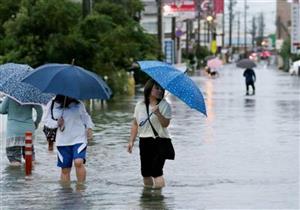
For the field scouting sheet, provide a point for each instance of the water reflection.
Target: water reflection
(249, 102)
(71, 198)
(152, 199)
(244, 155)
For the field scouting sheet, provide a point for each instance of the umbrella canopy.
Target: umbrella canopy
(176, 82)
(246, 63)
(265, 54)
(214, 63)
(11, 75)
(209, 57)
(69, 80)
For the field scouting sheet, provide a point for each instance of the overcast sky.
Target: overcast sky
(268, 7)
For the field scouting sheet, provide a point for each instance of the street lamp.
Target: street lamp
(209, 18)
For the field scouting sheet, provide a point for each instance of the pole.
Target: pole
(159, 24)
(187, 33)
(230, 21)
(223, 29)
(199, 24)
(245, 28)
(28, 153)
(174, 38)
(198, 29)
(238, 32)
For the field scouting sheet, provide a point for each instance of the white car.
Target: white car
(295, 68)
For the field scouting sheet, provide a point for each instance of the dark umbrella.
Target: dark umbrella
(69, 80)
(246, 63)
(209, 57)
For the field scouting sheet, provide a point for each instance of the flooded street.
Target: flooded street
(244, 155)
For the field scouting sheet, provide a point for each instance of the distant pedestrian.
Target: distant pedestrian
(49, 122)
(250, 79)
(74, 129)
(152, 161)
(19, 120)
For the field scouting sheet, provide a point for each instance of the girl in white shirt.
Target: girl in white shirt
(74, 128)
(152, 161)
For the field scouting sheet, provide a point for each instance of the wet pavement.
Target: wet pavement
(244, 155)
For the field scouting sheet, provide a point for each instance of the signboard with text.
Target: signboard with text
(169, 51)
(295, 28)
(185, 9)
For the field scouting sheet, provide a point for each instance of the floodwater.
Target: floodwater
(244, 155)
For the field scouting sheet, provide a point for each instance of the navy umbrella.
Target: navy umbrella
(11, 75)
(69, 80)
(176, 82)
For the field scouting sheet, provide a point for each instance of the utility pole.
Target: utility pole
(173, 35)
(187, 33)
(231, 16)
(223, 29)
(238, 31)
(253, 31)
(261, 28)
(198, 24)
(245, 28)
(159, 25)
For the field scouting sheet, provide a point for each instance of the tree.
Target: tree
(261, 28)
(27, 36)
(106, 41)
(253, 31)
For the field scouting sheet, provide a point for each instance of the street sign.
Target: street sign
(169, 51)
(184, 9)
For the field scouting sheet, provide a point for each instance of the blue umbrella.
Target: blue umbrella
(68, 80)
(176, 82)
(11, 75)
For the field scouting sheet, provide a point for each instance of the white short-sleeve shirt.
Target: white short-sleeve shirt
(140, 114)
(77, 120)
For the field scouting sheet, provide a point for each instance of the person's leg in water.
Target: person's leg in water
(79, 155)
(14, 155)
(148, 181)
(80, 170)
(50, 144)
(158, 179)
(65, 175)
(64, 161)
(159, 182)
(253, 88)
(247, 89)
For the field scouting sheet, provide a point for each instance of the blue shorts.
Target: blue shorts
(66, 154)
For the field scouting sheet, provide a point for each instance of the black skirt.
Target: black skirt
(152, 162)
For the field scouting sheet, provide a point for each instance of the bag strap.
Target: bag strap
(153, 129)
(51, 110)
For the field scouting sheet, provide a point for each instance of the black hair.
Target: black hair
(65, 101)
(147, 91)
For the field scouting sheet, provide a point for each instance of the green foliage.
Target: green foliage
(8, 10)
(201, 52)
(107, 41)
(285, 53)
